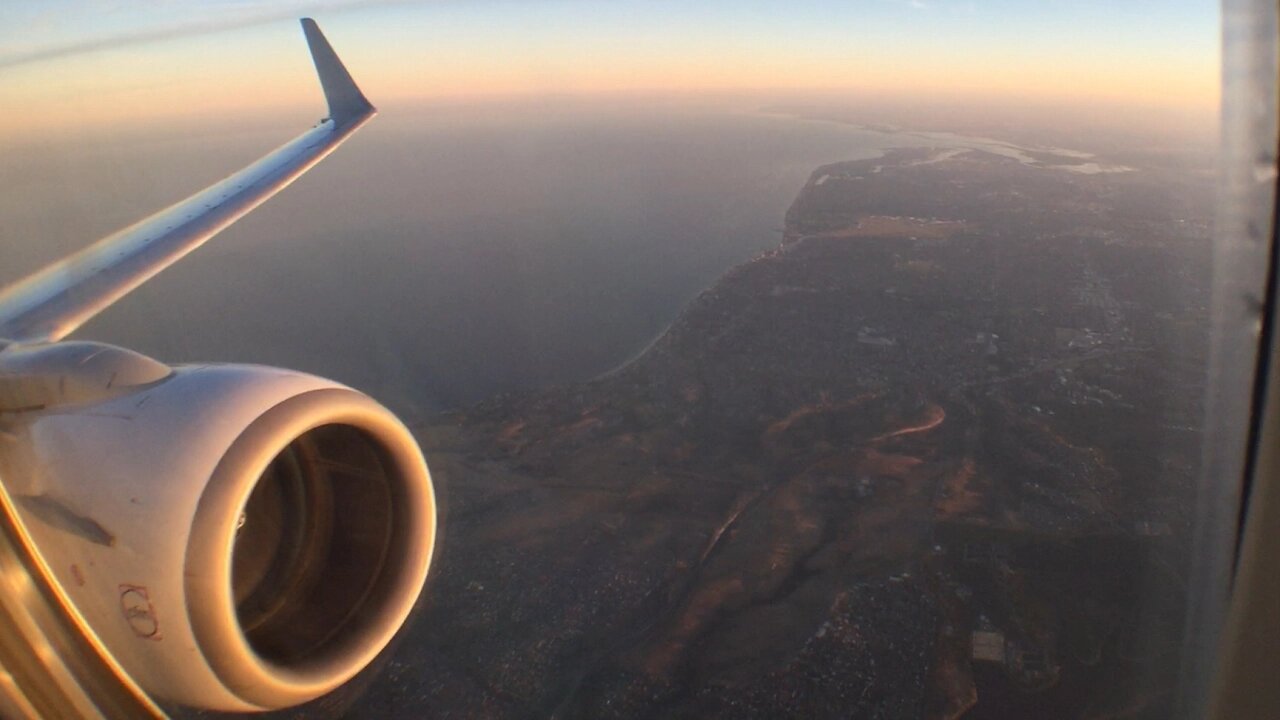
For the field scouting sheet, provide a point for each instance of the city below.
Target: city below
(931, 456)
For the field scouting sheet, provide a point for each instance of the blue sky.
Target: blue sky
(1168, 25)
(1146, 50)
(35, 24)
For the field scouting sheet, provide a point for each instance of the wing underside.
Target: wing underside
(52, 303)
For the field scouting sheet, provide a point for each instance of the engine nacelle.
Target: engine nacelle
(238, 537)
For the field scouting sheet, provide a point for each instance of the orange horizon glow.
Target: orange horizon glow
(269, 71)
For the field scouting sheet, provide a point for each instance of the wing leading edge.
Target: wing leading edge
(50, 304)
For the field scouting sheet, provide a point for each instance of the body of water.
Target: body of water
(441, 255)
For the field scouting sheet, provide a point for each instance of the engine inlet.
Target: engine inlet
(310, 546)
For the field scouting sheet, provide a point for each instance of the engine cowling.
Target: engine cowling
(238, 537)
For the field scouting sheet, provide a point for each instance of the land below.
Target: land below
(931, 456)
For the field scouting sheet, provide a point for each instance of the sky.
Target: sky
(68, 61)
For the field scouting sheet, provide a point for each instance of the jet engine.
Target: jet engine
(237, 537)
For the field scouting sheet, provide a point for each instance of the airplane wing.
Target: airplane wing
(130, 497)
(52, 303)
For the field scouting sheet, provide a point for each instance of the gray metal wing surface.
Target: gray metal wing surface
(51, 303)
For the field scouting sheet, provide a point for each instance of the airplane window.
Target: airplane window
(799, 359)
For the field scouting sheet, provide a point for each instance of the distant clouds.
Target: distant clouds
(913, 4)
(1091, 55)
(952, 8)
(211, 17)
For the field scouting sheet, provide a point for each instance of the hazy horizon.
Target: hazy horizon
(464, 249)
(74, 62)
(461, 255)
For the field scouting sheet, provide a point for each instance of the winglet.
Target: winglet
(346, 102)
(53, 302)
